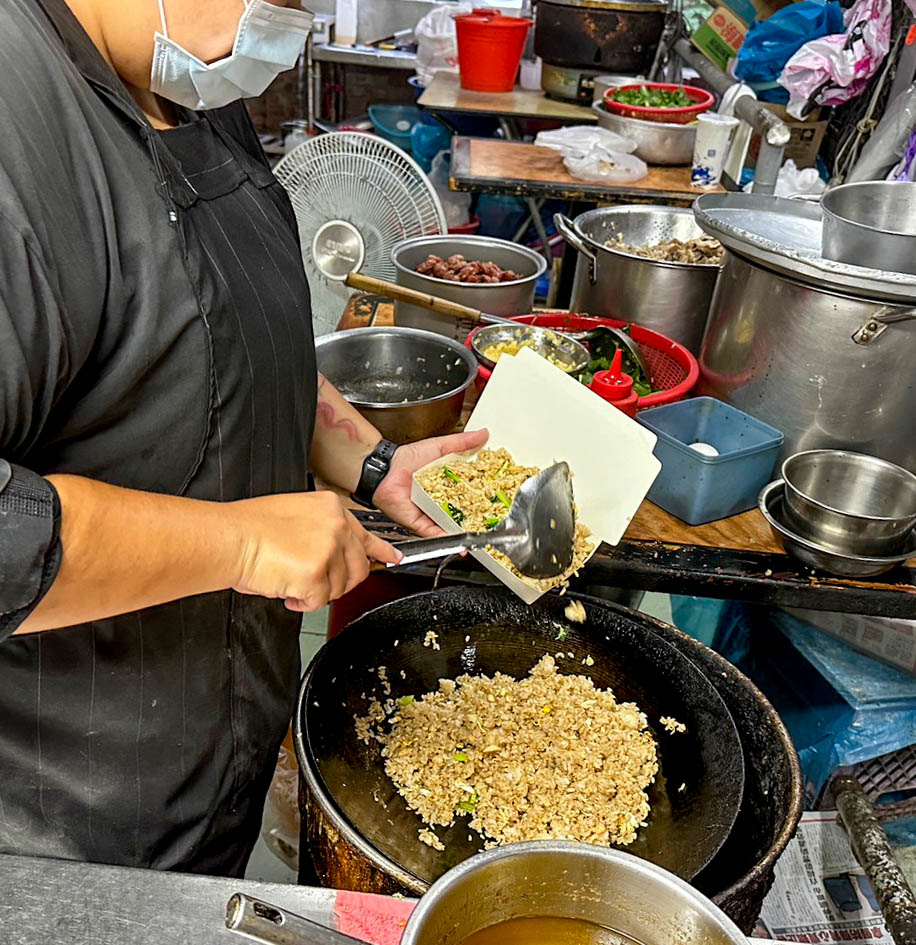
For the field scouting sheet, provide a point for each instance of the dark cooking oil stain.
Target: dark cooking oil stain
(542, 930)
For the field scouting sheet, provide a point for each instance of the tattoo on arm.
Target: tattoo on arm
(327, 416)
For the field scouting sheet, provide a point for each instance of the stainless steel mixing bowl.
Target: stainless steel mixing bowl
(656, 142)
(871, 223)
(501, 298)
(566, 353)
(410, 384)
(567, 880)
(850, 502)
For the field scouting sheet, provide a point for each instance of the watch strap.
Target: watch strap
(374, 470)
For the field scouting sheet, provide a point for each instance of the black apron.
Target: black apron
(150, 739)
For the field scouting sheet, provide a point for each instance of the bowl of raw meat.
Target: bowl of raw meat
(488, 274)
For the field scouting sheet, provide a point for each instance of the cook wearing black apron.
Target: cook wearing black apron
(155, 333)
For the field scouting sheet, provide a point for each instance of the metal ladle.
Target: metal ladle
(537, 534)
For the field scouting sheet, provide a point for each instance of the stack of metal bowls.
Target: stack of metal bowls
(844, 512)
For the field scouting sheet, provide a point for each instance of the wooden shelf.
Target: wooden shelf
(524, 170)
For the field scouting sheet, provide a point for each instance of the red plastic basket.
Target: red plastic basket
(671, 366)
(680, 116)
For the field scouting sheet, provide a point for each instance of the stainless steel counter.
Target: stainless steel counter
(56, 902)
(365, 56)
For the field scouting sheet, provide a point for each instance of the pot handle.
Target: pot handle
(567, 228)
(272, 925)
(877, 324)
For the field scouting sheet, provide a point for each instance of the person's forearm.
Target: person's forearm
(342, 441)
(125, 550)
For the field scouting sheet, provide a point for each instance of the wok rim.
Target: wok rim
(308, 765)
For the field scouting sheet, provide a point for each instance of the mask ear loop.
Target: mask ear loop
(165, 31)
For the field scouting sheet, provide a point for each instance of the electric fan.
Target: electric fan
(355, 196)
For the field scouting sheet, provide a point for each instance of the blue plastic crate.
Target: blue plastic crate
(699, 488)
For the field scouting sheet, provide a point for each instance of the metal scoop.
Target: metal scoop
(537, 534)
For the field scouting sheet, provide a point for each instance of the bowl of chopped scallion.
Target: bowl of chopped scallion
(659, 101)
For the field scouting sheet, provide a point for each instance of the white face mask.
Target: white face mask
(268, 41)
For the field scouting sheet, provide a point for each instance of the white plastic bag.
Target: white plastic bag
(595, 154)
(437, 41)
(280, 827)
(457, 206)
(792, 180)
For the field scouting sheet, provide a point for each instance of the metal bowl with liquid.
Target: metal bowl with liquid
(643, 903)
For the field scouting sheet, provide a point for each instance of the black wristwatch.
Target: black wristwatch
(375, 468)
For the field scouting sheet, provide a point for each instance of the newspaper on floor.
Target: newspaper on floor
(821, 894)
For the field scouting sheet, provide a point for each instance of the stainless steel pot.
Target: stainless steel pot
(657, 142)
(567, 880)
(784, 352)
(504, 298)
(671, 298)
(872, 223)
(410, 384)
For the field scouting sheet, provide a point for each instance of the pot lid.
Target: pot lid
(785, 235)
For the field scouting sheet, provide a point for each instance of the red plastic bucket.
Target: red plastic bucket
(490, 49)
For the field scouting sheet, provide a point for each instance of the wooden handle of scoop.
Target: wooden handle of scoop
(401, 293)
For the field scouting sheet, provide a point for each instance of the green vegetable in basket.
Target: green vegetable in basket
(603, 350)
(652, 98)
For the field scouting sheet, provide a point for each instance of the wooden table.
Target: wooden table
(524, 170)
(444, 95)
(735, 558)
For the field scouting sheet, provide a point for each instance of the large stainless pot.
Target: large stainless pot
(784, 352)
(571, 881)
(503, 298)
(671, 298)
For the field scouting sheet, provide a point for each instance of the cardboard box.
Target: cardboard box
(543, 416)
(750, 10)
(889, 640)
(805, 139)
(720, 37)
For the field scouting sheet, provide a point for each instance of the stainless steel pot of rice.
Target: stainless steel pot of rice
(502, 298)
(410, 384)
(669, 297)
(613, 890)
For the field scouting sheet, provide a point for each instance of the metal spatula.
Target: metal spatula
(537, 534)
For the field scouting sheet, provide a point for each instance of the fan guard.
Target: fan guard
(355, 196)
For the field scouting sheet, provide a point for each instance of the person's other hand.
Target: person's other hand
(393, 494)
(304, 548)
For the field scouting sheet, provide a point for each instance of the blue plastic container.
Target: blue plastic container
(394, 123)
(698, 488)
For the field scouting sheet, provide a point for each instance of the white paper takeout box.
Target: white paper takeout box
(543, 416)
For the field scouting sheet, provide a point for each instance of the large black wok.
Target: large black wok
(347, 779)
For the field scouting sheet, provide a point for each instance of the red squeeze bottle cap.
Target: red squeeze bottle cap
(613, 384)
